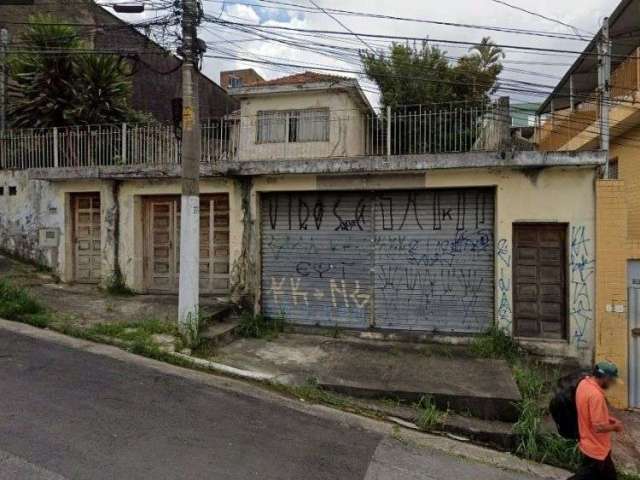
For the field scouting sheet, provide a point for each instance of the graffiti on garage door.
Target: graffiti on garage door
(411, 260)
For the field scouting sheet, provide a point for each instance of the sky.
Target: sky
(541, 70)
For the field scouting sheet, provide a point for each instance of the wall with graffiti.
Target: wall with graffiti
(553, 195)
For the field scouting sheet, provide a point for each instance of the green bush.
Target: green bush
(17, 304)
(495, 343)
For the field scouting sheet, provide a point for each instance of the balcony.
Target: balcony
(126, 149)
(579, 129)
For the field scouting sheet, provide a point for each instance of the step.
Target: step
(215, 312)
(219, 334)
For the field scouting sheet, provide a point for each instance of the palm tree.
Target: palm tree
(488, 54)
(54, 84)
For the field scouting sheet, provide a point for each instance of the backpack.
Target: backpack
(563, 406)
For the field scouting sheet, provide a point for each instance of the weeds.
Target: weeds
(117, 286)
(259, 326)
(496, 343)
(17, 304)
(429, 416)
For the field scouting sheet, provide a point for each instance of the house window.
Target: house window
(293, 126)
(234, 82)
(613, 169)
(1, 191)
(13, 191)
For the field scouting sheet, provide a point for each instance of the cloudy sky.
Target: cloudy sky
(538, 68)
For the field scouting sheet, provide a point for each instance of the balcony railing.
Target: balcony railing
(415, 130)
(563, 126)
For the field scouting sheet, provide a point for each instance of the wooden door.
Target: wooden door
(539, 279)
(162, 270)
(162, 233)
(87, 256)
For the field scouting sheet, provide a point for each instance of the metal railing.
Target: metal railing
(415, 130)
(563, 126)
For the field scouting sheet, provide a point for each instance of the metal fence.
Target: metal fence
(411, 130)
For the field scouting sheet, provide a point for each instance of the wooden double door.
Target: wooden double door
(162, 244)
(87, 245)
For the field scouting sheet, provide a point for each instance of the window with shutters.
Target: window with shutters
(294, 126)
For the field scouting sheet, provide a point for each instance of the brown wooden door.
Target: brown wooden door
(86, 237)
(539, 279)
(162, 233)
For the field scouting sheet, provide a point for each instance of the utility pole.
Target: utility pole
(4, 44)
(604, 87)
(189, 287)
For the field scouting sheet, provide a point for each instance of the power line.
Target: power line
(341, 24)
(535, 14)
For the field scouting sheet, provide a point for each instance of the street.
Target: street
(69, 413)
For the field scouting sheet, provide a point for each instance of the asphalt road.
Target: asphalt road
(71, 414)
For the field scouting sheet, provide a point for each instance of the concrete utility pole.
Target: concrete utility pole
(4, 44)
(189, 287)
(604, 87)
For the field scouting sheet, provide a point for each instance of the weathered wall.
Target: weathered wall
(346, 132)
(551, 195)
(131, 251)
(40, 205)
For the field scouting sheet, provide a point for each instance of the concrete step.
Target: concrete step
(216, 312)
(220, 333)
(490, 433)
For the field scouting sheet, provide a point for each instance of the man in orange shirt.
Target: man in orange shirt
(595, 424)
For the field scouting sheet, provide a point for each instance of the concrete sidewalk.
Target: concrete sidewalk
(451, 377)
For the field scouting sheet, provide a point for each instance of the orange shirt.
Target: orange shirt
(592, 411)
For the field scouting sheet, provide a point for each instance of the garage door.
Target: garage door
(162, 249)
(419, 260)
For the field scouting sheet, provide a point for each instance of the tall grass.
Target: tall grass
(16, 303)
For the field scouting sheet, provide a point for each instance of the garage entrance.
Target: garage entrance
(162, 244)
(404, 260)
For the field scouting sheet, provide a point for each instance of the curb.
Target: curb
(229, 382)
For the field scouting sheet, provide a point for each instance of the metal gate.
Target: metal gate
(634, 337)
(419, 260)
(434, 260)
(162, 247)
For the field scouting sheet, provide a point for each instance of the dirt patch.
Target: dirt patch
(626, 445)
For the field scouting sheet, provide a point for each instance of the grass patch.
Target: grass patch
(496, 343)
(628, 476)
(137, 334)
(16, 303)
(429, 416)
(259, 326)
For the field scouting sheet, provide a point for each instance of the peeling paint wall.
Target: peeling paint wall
(39, 207)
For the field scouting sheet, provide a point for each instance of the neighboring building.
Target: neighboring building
(524, 114)
(156, 78)
(239, 78)
(573, 124)
(316, 208)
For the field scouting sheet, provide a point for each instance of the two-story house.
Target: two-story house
(573, 123)
(419, 220)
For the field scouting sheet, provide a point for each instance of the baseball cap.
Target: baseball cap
(607, 369)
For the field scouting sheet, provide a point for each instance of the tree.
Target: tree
(411, 75)
(55, 82)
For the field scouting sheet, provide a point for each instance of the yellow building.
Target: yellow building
(573, 123)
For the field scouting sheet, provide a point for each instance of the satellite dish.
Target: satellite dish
(129, 8)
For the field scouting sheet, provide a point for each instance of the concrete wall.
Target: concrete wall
(550, 195)
(346, 132)
(131, 246)
(39, 206)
